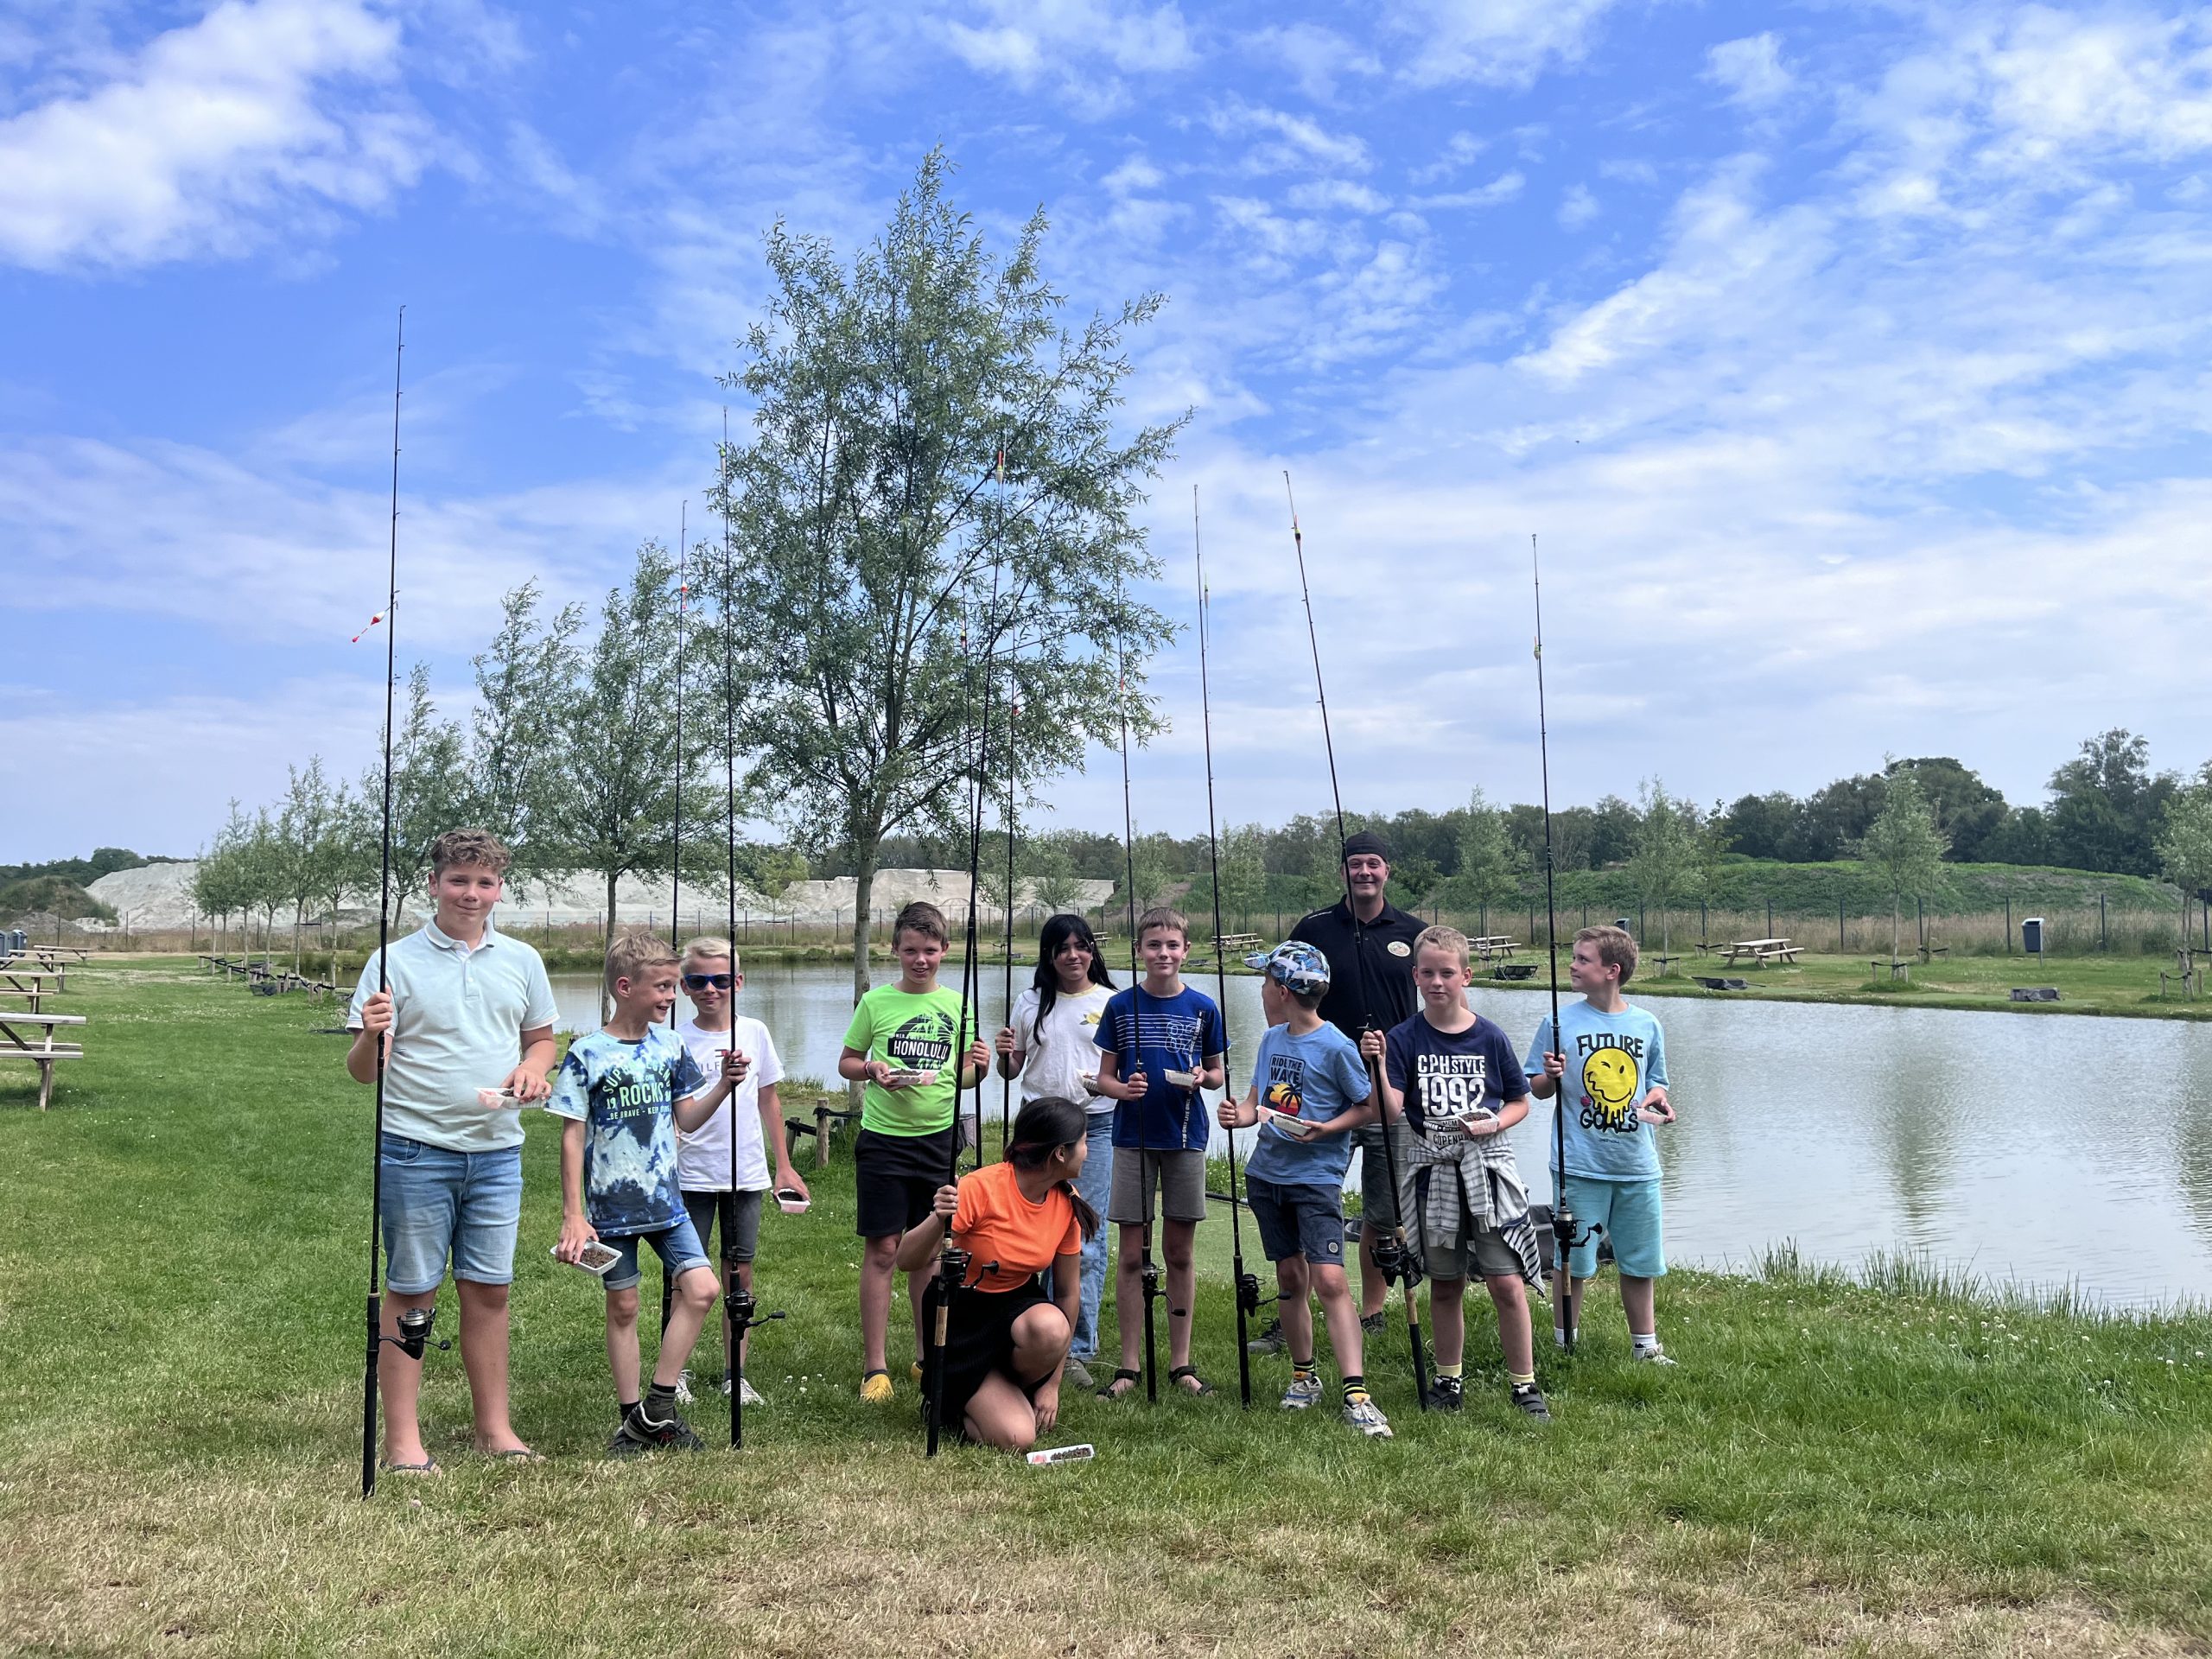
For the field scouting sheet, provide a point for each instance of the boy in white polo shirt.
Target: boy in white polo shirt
(468, 1008)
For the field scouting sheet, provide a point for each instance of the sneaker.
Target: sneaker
(1446, 1394)
(875, 1389)
(915, 1371)
(683, 1397)
(1372, 1322)
(1269, 1341)
(1654, 1355)
(638, 1435)
(1305, 1390)
(1078, 1375)
(751, 1396)
(1364, 1416)
(1530, 1399)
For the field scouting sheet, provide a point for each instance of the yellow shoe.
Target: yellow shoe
(915, 1371)
(875, 1389)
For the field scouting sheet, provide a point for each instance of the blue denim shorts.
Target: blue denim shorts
(440, 1206)
(677, 1247)
(1301, 1219)
(1628, 1213)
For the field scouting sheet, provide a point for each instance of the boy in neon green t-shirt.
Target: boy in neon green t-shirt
(901, 1044)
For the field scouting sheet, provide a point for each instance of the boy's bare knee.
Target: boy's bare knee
(480, 1297)
(622, 1307)
(879, 1254)
(698, 1288)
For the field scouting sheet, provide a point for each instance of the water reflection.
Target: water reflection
(2040, 1149)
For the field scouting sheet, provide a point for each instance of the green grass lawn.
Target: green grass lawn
(1893, 1470)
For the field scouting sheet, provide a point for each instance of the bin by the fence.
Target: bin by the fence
(2031, 934)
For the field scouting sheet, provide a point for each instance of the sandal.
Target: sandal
(1114, 1390)
(517, 1455)
(428, 1466)
(1202, 1389)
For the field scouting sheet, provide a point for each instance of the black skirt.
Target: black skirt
(979, 1340)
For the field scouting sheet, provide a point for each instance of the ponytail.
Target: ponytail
(1041, 1129)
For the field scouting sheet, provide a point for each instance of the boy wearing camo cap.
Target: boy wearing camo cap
(1310, 1081)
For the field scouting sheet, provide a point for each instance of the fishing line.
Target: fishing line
(1563, 1238)
(1391, 1255)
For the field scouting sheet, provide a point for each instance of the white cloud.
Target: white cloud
(1135, 174)
(216, 138)
(1494, 42)
(1316, 57)
(1462, 149)
(1502, 188)
(1303, 142)
(1323, 193)
(1027, 42)
(1578, 208)
(1750, 71)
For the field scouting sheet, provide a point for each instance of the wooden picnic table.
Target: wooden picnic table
(25, 979)
(30, 1036)
(1761, 952)
(52, 953)
(1228, 942)
(34, 993)
(1493, 945)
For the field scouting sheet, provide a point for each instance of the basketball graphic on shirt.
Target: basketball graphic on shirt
(1609, 1089)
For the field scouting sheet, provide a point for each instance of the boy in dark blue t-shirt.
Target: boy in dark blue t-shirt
(1159, 1043)
(1308, 1081)
(1455, 1075)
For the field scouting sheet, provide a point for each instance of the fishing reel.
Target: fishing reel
(1397, 1264)
(1150, 1274)
(1247, 1292)
(743, 1315)
(414, 1337)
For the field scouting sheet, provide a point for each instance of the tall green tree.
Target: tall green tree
(2106, 805)
(1492, 867)
(2184, 845)
(302, 830)
(429, 789)
(1053, 883)
(1244, 873)
(886, 550)
(1709, 854)
(1665, 854)
(517, 765)
(624, 775)
(1905, 849)
(218, 884)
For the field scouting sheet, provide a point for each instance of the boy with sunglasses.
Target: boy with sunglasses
(722, 1182)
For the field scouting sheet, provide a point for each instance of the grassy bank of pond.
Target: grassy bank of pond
(1884, 1462)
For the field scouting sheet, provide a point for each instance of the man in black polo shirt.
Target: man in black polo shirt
(1373, 988)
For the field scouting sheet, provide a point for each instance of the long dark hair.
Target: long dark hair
(1058, 930)
(1042, 1128)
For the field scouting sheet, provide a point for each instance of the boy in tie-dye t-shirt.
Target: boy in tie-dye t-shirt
(625, 1090)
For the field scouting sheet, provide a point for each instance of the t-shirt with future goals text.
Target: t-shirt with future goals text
(1612, 1060)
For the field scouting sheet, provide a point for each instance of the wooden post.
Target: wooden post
(2008, 927)
(1839, 925)
(821, 1137)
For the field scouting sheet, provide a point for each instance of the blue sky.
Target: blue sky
(1849, 360)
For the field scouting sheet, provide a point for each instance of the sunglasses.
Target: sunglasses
(701, 982)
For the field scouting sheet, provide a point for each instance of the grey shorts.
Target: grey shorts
(1471, 1253)
(741, 1237)
(1180, 1178)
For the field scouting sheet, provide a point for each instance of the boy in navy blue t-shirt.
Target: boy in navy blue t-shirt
(1456, 1078)
(1308, 1081)
(1159, 1043)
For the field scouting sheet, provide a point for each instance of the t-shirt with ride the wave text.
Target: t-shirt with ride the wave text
(1157, 1035)
(1612, 1060)
(1313, 1077)
(623, 1091)
(911, 1032)
(1446, 1076)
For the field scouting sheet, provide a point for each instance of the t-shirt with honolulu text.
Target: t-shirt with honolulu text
(1612, 1060)
(1157, 1035)
(1059, 1054)
(702, 1160)
(912, 1032)
(1313, 1077)
(1007, 1237)
(623, 1091)
(1449, 1075)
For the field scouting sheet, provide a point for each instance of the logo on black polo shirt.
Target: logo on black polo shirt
(1399, 948)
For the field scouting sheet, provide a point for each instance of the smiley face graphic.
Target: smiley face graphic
(1609, 1081)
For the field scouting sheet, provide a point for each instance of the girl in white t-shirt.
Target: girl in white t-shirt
(722, 1166)
(1050, 1044)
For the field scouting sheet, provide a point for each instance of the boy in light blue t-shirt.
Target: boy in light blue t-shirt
(1306, 1075)
(624, 1091)
(1614, 1059)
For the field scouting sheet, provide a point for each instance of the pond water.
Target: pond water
(2038, 1150)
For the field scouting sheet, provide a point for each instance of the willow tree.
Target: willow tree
(937, 477)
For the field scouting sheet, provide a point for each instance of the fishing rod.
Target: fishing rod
(676, 841)
(1248, 1285)
(1563, 1238)
(952, 1261)
(1147, 1269)
(1014, 713)
(414, 1323)
(1391, 1255)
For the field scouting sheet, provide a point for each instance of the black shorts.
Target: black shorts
(895, 1179)
(979, 1341)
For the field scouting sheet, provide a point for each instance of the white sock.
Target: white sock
(1647, 1342)
(1559, 1335)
